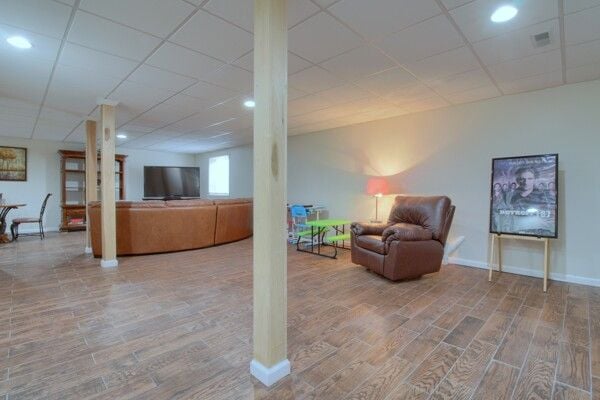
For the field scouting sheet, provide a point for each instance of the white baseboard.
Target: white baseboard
(268, 376)
(582, 280)
(109, 263)
(32, 229)
(88, 250)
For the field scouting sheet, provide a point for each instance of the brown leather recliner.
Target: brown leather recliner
(410, 244)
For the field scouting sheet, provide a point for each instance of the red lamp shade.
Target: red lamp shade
(377, 187)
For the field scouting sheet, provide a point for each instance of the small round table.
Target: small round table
(4, 210)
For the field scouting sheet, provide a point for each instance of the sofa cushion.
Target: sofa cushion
(233, 201)
(371, 242)
(189, 203)
(140, 204)
(132, 204)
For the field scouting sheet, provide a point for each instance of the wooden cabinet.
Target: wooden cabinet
(72, 181)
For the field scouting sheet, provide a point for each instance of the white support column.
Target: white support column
(107, 140)
(91, 177)
(270, 362)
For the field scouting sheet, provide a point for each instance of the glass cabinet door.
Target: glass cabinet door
(74, 181)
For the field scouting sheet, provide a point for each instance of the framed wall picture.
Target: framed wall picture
(13, 163)
(524, 196)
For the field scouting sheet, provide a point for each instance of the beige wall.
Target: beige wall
(449, 152)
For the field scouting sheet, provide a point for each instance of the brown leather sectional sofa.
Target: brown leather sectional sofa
(410, 244)
(145, 227)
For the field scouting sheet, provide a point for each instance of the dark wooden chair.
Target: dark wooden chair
(14, 227)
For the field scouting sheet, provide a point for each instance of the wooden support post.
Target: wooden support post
(107, 176)
(270, 362)
(91, 177)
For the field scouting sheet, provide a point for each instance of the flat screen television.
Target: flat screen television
(171, 182)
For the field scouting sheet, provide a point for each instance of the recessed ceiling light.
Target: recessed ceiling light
(19, 42)
(122, 136)
(504, 13)
(249, 103)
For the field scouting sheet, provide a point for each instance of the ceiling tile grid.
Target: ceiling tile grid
(184, 66)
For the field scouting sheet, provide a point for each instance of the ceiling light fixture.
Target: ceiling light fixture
(249, 103)
(19, 42)
(504, 13)
(122, 136)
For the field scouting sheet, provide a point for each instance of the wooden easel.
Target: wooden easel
(499, 237)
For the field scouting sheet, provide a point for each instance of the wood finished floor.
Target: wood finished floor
(178, 326)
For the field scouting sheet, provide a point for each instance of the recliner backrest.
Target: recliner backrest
(430, 212)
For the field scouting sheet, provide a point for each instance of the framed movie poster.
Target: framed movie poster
(13, 163)
(524, 196)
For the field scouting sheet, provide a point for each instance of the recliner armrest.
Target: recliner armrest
(365, 228)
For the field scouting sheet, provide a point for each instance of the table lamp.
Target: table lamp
(377, 187)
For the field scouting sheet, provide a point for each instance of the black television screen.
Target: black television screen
(171, 181)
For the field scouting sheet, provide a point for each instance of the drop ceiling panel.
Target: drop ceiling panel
(584, 73)
(443, 65)
(55, 124)
(43, 47)
(525, 67)
(78, 135)
(17, 117)
(517, 44)
(96, 62)
(461, 82)
(572, 6)
(353, 83)
(582, 26)
(342, 94)
(214, 94)
(295, 63)
(422, 40)
(376, 18)
(325, 3)
(16, 126)
(314, 79)
(157, 17)
(365, 60)
(160, 79)
(583, 54)
(307, 104)
(474, 18)
(178, 59)
(450, 4)
(410, 94)
(542, 81)
(45, 17)
(468, 96)
(135, 97)
(332, 37)
(202, 30)
(241, 13)
(74, 89)
(387, 81)
(101, 34)
(25, 74)
(233, 78)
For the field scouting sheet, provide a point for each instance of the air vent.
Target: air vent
(541, 39)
